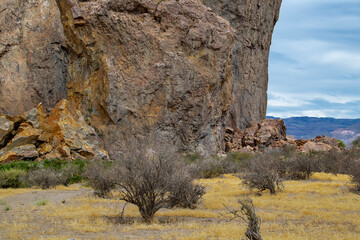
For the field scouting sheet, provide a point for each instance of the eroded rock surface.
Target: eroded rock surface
(33, 62)
(253, 21)
(141, 72)
(63, 134)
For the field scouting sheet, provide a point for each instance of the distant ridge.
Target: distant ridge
(346, 130)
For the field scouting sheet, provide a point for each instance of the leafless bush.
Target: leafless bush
(262, 174)
(155, 182)
(247, 214)
(44, 178)
(355, 176)
(300, 167)
(187, 195)
(213, 167)
(101, 177)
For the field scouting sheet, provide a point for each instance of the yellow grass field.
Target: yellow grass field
(319, 208)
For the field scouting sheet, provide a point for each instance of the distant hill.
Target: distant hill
(346, 130)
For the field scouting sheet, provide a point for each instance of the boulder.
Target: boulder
(271, 134)
(27, 151)
(271, 131)
(26, 134)
(64, 134)
(316, 147)
(70, 133)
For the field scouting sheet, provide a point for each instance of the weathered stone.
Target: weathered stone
(44, 149)
(142, 72)
(9, 156)
(33, 61)
(163, 77)
(20, 152)
(252, 129)
(6, 126)
(271, 134)
(71, 133)
(271, 131)
(315, 146)
(25, 135)
(254, 21)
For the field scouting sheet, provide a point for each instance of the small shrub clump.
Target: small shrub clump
(300, 167)
(46, 173)
(262, 173)
(355, 176)
(155, 182)
(44, 178)
(12, 178)
(101, 177)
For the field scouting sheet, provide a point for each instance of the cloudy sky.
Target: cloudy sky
(314, 67)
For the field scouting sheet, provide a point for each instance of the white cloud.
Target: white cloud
(342, 58)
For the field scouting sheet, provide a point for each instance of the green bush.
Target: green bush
(239, 157)
(341, 143)
(12, 178)
(21, 165)
(67, 171)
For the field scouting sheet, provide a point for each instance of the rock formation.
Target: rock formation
(271, 134)
(62, 134)
(33, 61)
(147, 72)
(253, 21)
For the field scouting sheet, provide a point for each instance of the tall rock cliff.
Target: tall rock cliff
(253, 21)
(33, 61)
(142, 72)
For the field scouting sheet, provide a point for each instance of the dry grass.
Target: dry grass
(319, 208)
(7, 192)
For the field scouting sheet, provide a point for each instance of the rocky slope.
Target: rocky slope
(271, 134)
(141, 72)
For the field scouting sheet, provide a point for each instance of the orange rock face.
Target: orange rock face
(64, 134)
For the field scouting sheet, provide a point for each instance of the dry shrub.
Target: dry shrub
(247, 214)
(155, 182)
(187, 195)
(300, 167)
(100, 175)
(44, 178)
(355, 176)
(213, 167)
(262, 173)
